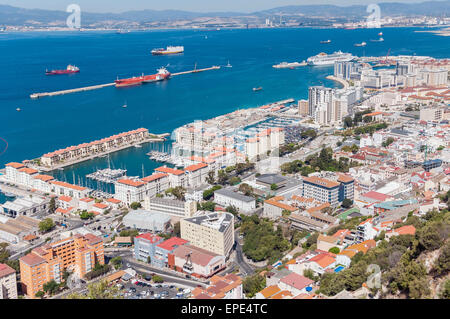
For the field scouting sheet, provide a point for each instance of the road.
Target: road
(246, 269)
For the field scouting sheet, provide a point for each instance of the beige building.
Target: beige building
(213, 232)
(8, 283)
(303, 107)
(431, 114)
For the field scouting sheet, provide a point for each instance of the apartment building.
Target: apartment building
(144, 246)
(327, 190)
(211, 231)
(129, 191)
(45, 263)
(177, 177)
(72, 153)
(227, 197)
(196, 174)
(8, 283)
(171, 207)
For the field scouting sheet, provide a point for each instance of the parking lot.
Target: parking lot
(143, 289)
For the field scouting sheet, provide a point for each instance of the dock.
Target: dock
(100, 86)
(86, 88)
(214, 67)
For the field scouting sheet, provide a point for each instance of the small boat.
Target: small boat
(325, 42)
(378, 40)
(9, 194)
(228, 65)
(125, 105)
(138, 146)
(257, 89)
(362, 44)
(18, 109)
(380, 34)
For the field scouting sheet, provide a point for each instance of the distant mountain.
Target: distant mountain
(10, 15)
(433, 8)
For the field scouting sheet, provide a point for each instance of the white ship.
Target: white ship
(286, 65)
(362, 44)
(329, 59)
(168, 50)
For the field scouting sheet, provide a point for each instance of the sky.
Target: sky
(114, 6)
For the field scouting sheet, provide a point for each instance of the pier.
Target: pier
(100, 86)
(87, 88)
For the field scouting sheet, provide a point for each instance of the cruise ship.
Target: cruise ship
(286, 65)
(329, 59)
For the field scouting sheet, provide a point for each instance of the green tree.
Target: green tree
(442, 264)
(99, 290)
(51, 287)
(309, 273)
(208, 206)
(334, 250)
(135, 205)
(40, 294)
(253, 284)
(52, 205)
(116, 262)
(179, 192)
(86, 215)
(273, 186)
(246, 189)
(207, 194)
(232, 210)
(347, 203)
(445, 290)
(234, 180)
(222, 177)
(157, 279)
(46, 225)
(211, 178)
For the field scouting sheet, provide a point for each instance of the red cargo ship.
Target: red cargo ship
(162, 74)
(129, 82)
(69, 70)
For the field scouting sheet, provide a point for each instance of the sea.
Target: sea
(51, 123)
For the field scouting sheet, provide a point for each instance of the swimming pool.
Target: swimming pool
(338, 268)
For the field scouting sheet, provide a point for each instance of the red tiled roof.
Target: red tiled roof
(171, 243)
(193, 168)
(5, 270)
(154, 177)
(28, 170)
(67, 185)
(198, 256)
(169, 170)
(130, 182)
(149, 237)
(32, 259)
(65, 198)
(113, 200)
(44, 178)
(15, 165)
(376, 195)
(297, 281)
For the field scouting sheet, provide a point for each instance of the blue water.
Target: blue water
(48, 124)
